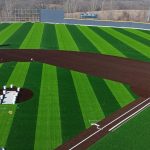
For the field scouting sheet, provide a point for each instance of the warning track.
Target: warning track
(134, 73)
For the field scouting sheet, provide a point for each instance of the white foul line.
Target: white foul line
(85, 139)
(113, 121)
(129, 117)
(126, 113)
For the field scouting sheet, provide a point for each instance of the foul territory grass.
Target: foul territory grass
(132, 135)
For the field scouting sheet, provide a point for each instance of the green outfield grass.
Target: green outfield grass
(65, 101)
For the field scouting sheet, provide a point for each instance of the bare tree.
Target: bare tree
(102, 5)
(148, 16)
(94, 5)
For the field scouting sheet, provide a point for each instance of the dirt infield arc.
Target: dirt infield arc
(134, 73)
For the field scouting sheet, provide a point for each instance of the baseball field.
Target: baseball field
(64, 102)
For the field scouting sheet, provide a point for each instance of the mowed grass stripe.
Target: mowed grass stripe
(94, 35)
(86, 96)
(141, 48)
(16, 39)
(100, 43)
(49, 36)
(121, 93)
(119, 45)
(17, 78)
(81, 41)
(91, 109)
(106, 99)
(108, 102)
(5, 72)
(48, 129)
(49, 101)
(140, 33)
(146, 31)
(71, 116)
(131, 92)
(17, 116)
(5, 119)
(25, 66)
(18, 75)
(15, 73)
(22, 134)
(34, 37)
(3, 26)
(134, 36)
(8, 32)
(65, 40)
